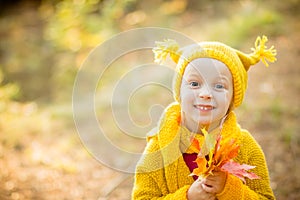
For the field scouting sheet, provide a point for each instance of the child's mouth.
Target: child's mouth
(204, 107)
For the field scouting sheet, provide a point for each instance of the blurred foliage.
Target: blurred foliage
(74, 25)
(55, 40)
(8, 92)
(18, 118)
(243, 25)
(45, 42)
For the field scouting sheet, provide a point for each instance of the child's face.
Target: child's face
(205, 93)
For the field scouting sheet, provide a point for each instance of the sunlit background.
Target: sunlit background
(43, 43)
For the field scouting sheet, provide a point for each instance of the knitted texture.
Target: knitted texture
(163, 174)
(237, 62)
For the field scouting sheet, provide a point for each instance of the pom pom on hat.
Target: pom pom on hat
(237, 62)
(165, 48)
(260, 53)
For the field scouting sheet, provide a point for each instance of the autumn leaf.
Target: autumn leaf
(225, 150)
(217, 153)
(239, 170)
(201, 163)
(208, 144)
(195, 144)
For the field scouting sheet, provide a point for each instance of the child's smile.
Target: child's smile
(204, 108)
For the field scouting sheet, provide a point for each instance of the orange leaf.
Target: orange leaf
(201, 163)
(195, 143)
(217, 153)
(228, 150)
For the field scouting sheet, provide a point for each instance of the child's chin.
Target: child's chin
(204, 122)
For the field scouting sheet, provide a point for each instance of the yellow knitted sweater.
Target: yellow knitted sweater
(162, 173)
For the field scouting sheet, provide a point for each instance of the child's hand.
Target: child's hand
(196, 192)
(215, 183)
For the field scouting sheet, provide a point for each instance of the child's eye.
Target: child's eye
(220, 86)
(194, 84)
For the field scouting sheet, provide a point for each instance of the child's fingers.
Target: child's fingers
(208, 188)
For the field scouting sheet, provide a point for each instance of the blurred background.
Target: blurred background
(43, 44)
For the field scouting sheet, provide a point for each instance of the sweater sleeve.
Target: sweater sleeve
(145, 187)
(251, 154)
(149, 180)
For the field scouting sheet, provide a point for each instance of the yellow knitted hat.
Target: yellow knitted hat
(237, 62)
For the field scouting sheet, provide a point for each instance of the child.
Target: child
(210, 81)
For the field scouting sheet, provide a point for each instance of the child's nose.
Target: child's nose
(205, 93)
